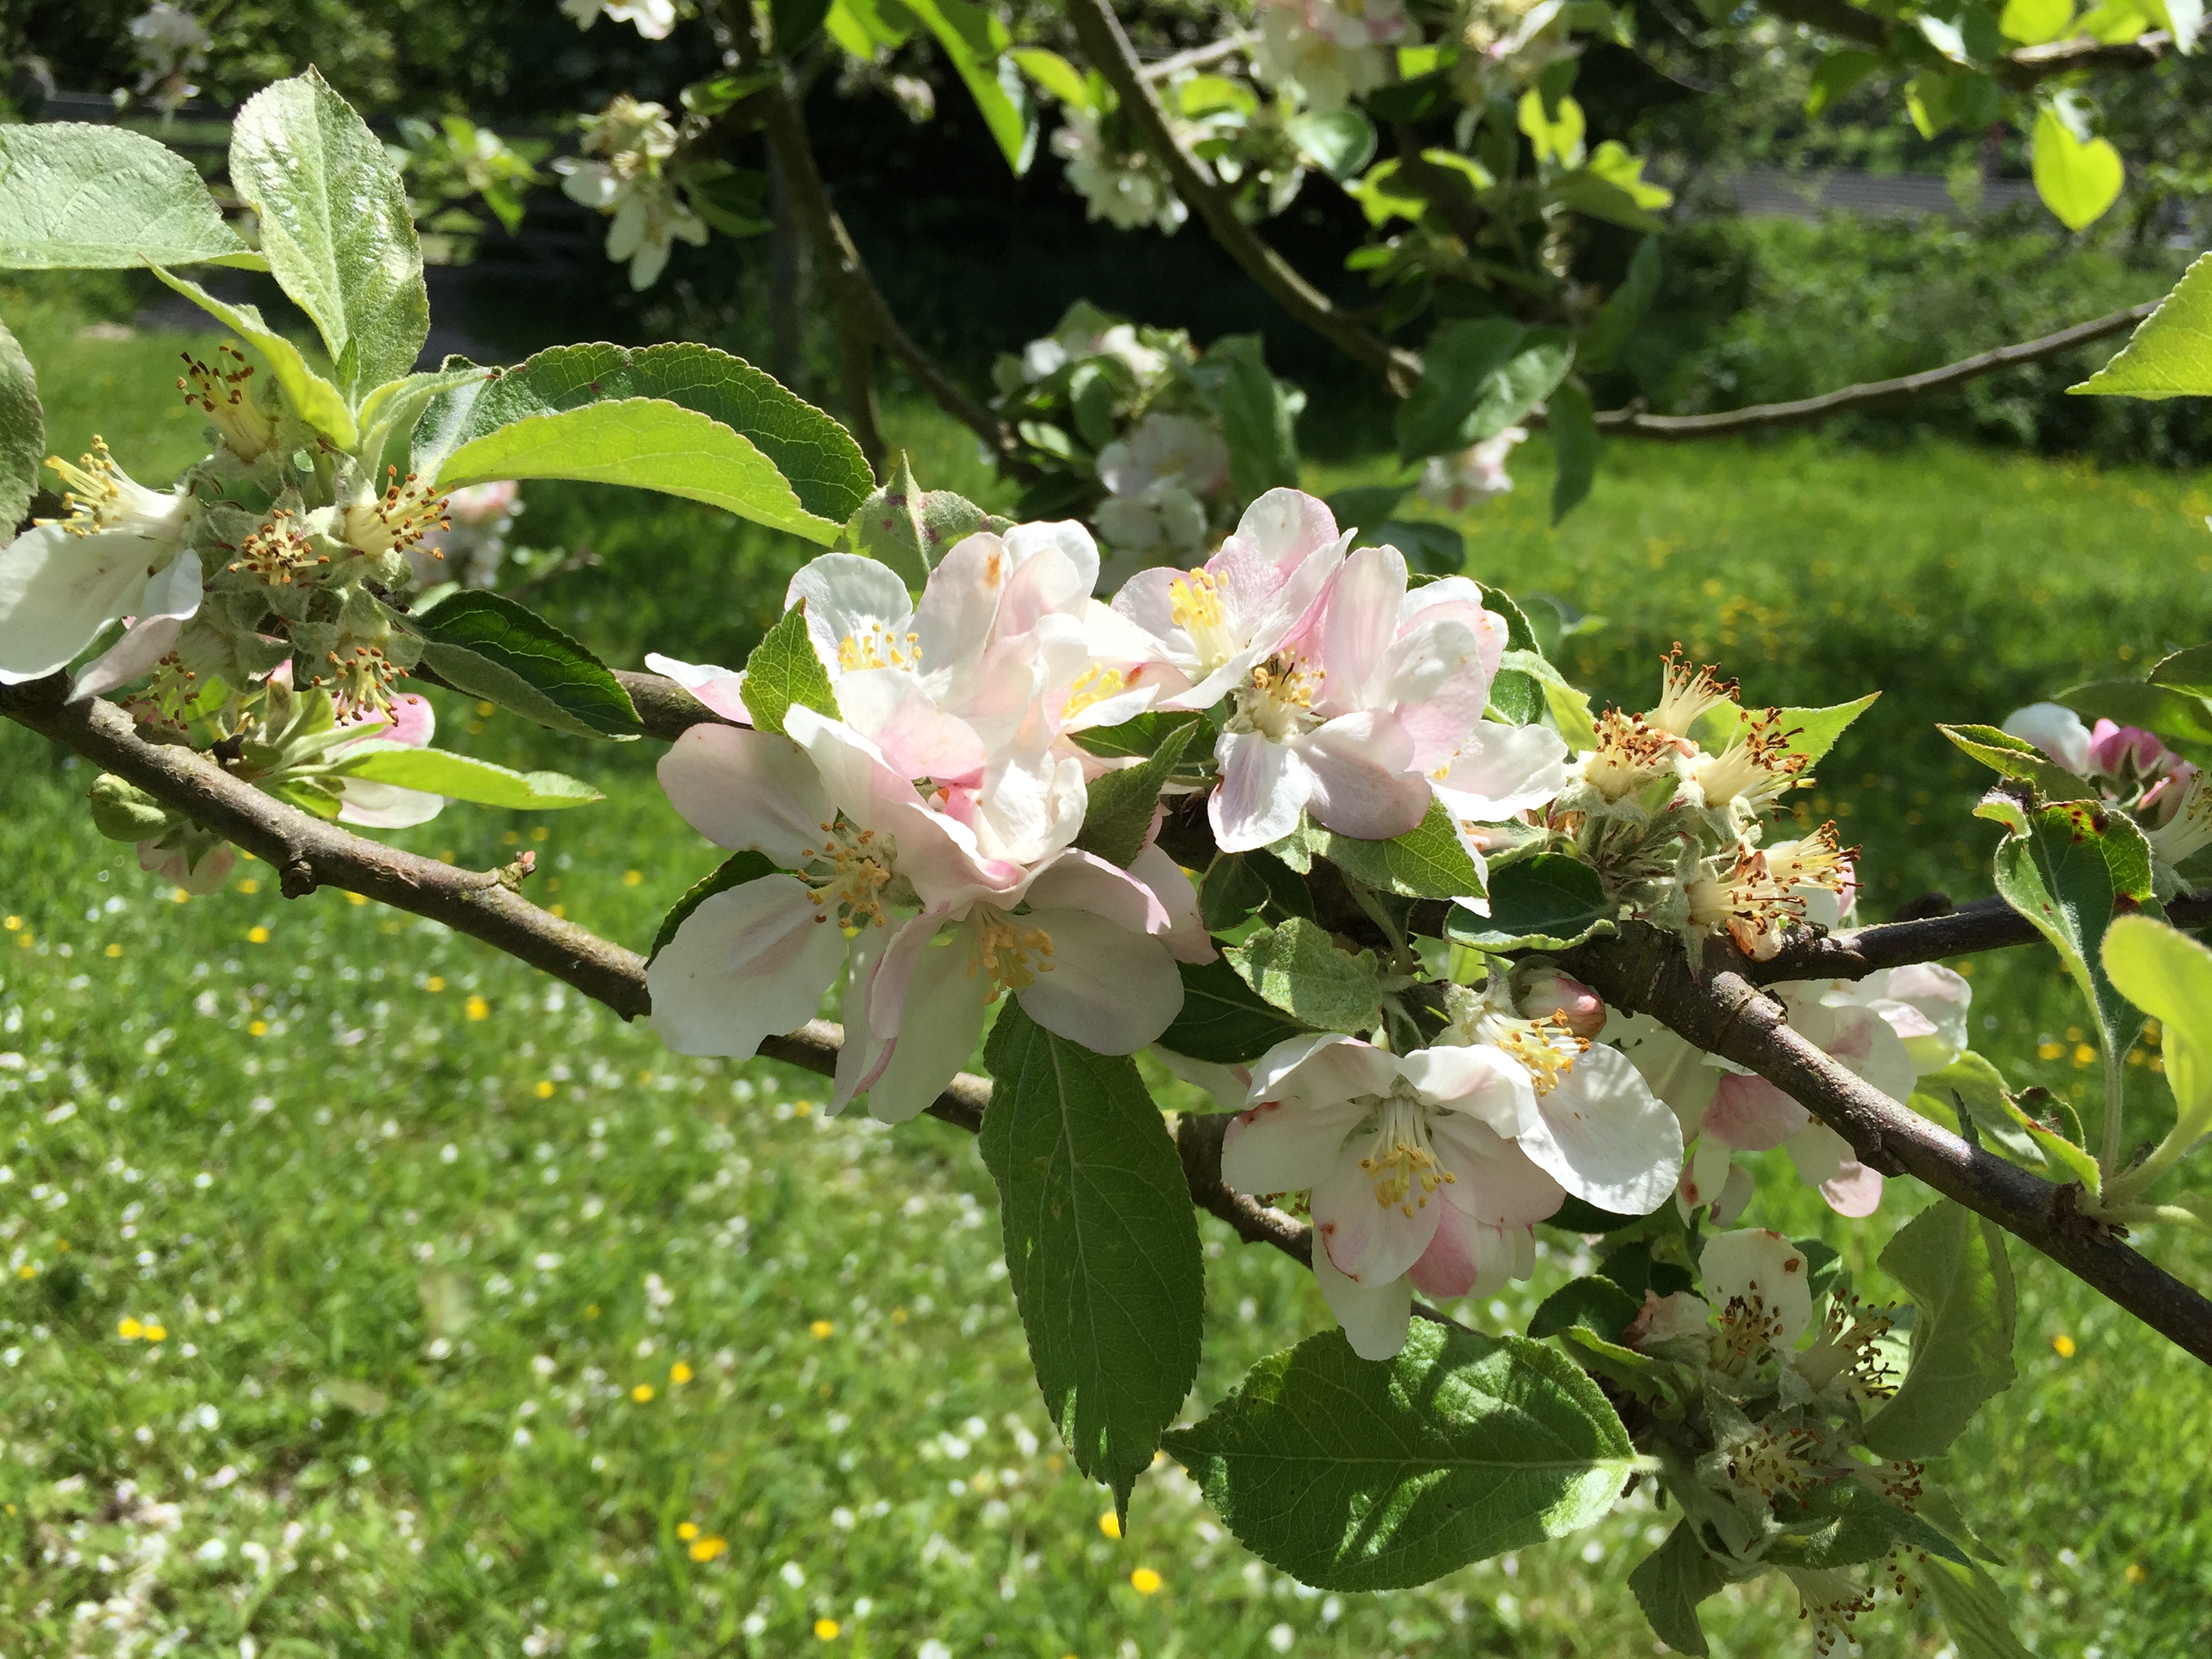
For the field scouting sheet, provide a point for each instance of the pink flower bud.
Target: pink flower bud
(1546, 992)
(2128, 751)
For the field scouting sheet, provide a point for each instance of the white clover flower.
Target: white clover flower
(653, 19)
(1126, 190)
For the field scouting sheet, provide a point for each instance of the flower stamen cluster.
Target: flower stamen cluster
(846, 876)
(407, 510)
(227, 395)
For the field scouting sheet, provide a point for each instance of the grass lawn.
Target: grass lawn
(467, 1320)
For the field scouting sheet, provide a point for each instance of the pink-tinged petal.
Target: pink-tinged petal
(1076, 880)
(744, 788)
(1432, 677)
(944, 1019)
(1322, 1070)
(1863, 1041)
(1675, 1069)
(1605, 1137)
(917, 738)
(384, 806)
(1362, 781)
(1707, 1173)
(1282, 530)
(960, 601)
(1668, 1319)
(1477, 1082)
(1228, 1085)
(1147, 603)
(884, 961)
(1459, 596)
(1353, 634)
(1109, 990)
(1373, 1321)
(1278, 1148)
(145, 643)
(1057, 566)
(1370, 1241)
(722, 689)
(1501, 771)
(1756, 1263)
(863, 1054)
(1941, 999)
(1029, 805)
(1492, 1179)
(1472, 1258)
(751, 962)
(414, 721)
(850, 597)
(171, 864)
(58, 591)
(1825, 1159)
(1186, 935)
(1751, 1115)
(1264, 787)
(1736, 1193)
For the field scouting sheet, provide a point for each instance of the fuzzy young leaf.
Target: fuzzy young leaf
(1354, 1475)
(1973, 1608)
(783, 669)
(79, 197)
(1972, 1088)
(2170, 354)
(1954, 1264)
(1256, 416)
(1547, 902)
(505, 652)
(1670, 1582)
(734, 872)
(2016, 757)
(1100, 1244)
(1850, 1525)
(1427, 861)
(23, 433)
(1225, 1020)
(912, 529)
(1301, 970)
(2168, 974)
(320, 404)
(1567, 703)
(441, 772)
(335, 226)
(1119, 813)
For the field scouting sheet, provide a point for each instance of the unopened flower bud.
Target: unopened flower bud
(1548, 993)
(123, 811)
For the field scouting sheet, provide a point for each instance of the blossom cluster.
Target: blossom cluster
(624, 171)
(2169, 798)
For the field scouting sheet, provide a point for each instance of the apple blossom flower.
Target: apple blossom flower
(1758, 894)
(198, 870)
(1417, 1181)
(119, 552)
(410, 721)
(722, 689)
(1161, 475)
(1456, 482)
(2056, 730)
(633, 142)
(172, 45)
(653, 19)
(1331, 50)
(2187, 826)
(1129, 188)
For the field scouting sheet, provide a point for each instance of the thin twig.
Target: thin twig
(1107, 44)
(1197, 57)
(1806, 410)
(2019, 69)
(1985, 925)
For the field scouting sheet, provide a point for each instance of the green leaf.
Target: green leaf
(975, 43)
(2078, 180)
(1598, 191)
(2067, 868)
(912, 529)
(1854, 1524)
(1972, 1087)
(22, 434)
(335, 226)
(320, 404)
(647, 444)
(1811, 732)
(2016, 757)
(505, 652)
(1670, 1582)
(1547, 902)
(1055, 75)
(1567, 703)
(2181, 716)
(1340, 143)
(2033, 23)
(1432, 549)
(2168, 976)
(1351, 1474)
(795, 22)
(1603, 336)
(1223, 1019)
(2188, 670)
(1119, 813)
(1100, 1244)
(1462, 360)
(2169, 353)
(1594, 1304)
(1256, 416)
(395, 405)
(1573, 425)
(440, 772)
(1425, 862)
(1952, 1262)
(734, 872)
(783, 669)
(864, 27)
(1973, 1608)
(1366, 505)
(79, 197)
(1517, 696)
(1141, 736)
(1841, 71)
(1299, 969)
(817, 459)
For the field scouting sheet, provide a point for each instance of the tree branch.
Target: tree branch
(1197, 57)
(1988, 924)
(1873, 394)
(1108, 46)
(2019, 69)
(1644, 970)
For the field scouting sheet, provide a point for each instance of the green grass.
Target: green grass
(415, 1223)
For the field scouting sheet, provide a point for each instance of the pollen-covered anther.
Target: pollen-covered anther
(226, 392)
(1277, 698)
(846, 876)
(1771, 1463)
(1758, 766)
(1748, 1330)
(1403, 1165)
(1817, 860)
(1546, 1048)
(362, 681)
(1093, 685)
(98, 496)
(1686, 691)
(1009, 952)
(876, 647)
(1630, 754)
(276, 553)
(407, 510)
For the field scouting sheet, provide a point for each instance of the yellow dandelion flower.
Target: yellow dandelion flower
(157, 1334)
(476, 1008)
(898, 1315)
(486, 710)
(179, 896)
(2135, 1574)
(633, 877)
(687, 1530)
(679, 1373)
(2062, 1346)
(539, 833)
(820, 1329)
(543, 1090)
(257, 936)
(249, 885)
(641, 1393)
(114, 950)
(561, 910)
(592, 1311)
(707, 1548)
(12, 923)
(825, 1630)
(129, 1329)
(1146, 1582)
(436, 982)
(355, 898)
(1110, 1524)
(259, 1027)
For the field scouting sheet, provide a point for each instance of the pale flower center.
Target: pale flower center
(100, 497)
(1756, 766)
(226, 394)
(846, 876)
(1276, 700)
(407, 510)
(1094, 685)
(1402, 1163)
(1009, 952)
(876, 647)
(1195, 607)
